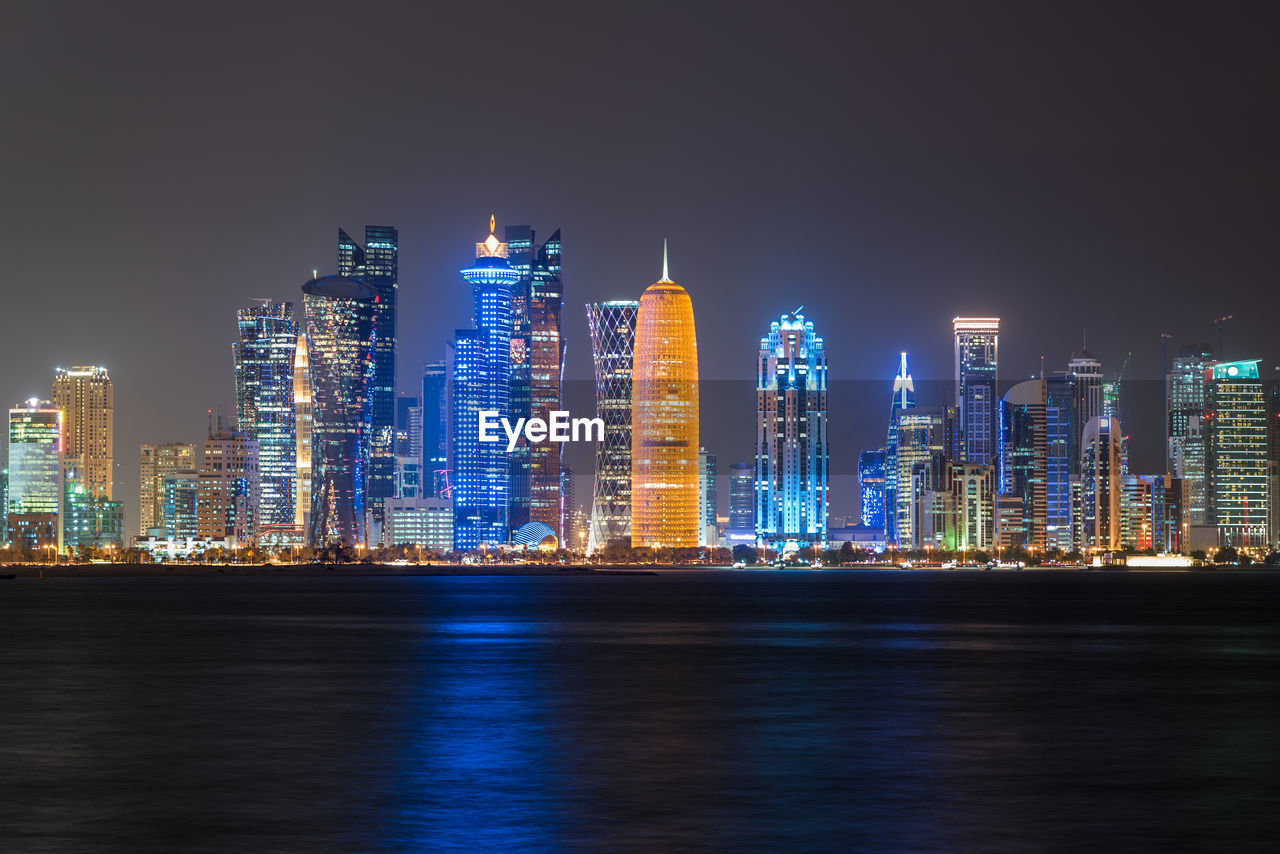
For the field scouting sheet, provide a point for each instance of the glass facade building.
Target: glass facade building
(35, 475)
(1239, 487)
(742, 500)
(87, 400)
(264, 359)
(1101, 485)
(871, 485)
(435, 429)
(612, 325)
(1186, 427)
(1024, 460)
(903, 400)
(977, 343)
(159, 462)
(339, 327)
(791, 436)
(707, 498)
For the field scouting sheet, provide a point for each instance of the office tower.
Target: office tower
(1239, 487)
(481, 382)
(425, 523)
(228, 488)
(303, 420)
(181, 513)
(902, 400)
(377, 264)
(264, 359)
(1024, 459)
(160, 462)
(339, 316)
(977, 342)
(408, 478)
(664, 419)
(409, 427)
(88, 521)
(35, 475)
(1085, 375)
(87, 400)
(742, 499)
(920, 441)
(871, 483)
(791, 436)
(612, 325)
(519, 240)
(1185, 425)
(568, 501)
(1100, 480)
(707, 498)
(1061, 455)
(974, 488)
(546, 371)
(1273, 461)
(435, 429)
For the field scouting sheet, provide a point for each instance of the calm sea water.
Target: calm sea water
(714, 711)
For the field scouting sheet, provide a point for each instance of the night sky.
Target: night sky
(889, 166)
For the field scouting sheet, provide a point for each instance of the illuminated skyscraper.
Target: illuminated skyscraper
(1238, 482)
(791, 436)
(482, 381)
(435, 430)
(1185, 426)
(1061, 454)
(871, 473)
(903, 389)
(742, 502)
(227, 503)
(612, 325)
(303, 421)
(546, 370)
(1101, 485)
(35, 475)
(87, 400)
(664, 419)
(264, 359)
(1085, 375)
(377, 264)
(1024, 460)
(158, 463)
(977, 343)
(706, 498)
(339, 328)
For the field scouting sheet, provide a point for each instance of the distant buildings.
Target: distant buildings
(1099, 518)
(1024, 459)
(1238, 484)
(742, 504)
(1186, 429)
(612, 325)
(264, 357)
(158, 463)
(977, 341)
(435, 429)
(87, 400)
(228, 488)
(707, 535)
(664, 419)
(421, 523)
(35, 475)
(791, 436)
(339, 328)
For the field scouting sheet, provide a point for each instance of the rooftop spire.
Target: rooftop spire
(665, 276)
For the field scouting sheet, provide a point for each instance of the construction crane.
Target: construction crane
(1219, 323)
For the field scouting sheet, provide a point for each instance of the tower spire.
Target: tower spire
(665, 276)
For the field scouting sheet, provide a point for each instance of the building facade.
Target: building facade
(159, 462)
(264, 357)
(87, 400)
(1024, 461)
(1186, 430)
(902, 400)
(35, 475)
(228, 488)
(871, 465)
(612, 325)
(707, 535)
(1100, 486)
(1238, 484)
(977, 345)
(435, 429)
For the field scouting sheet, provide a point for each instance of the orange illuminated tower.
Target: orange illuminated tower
(664, 419)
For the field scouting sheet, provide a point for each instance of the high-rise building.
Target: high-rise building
(664, 419)
(421, 523)
(158, 463)
(87, 400)
(409, 427)
(977, 342)
(1061, 454)
(871, 465)
(612, 325)
(35, 475)
(377, 264)
(791, 436)
(974, 489)
(1101, 485)
(88, 520)
(903, 389)
(303, 421)
(435, 429)
(339, 328)
(264, 357)
(228, 489)
(181, 513)
(1085, 375)
(481, 484)
(707, 498)
(546, 371)
(1024, 460)
(921, 460)
(1185, 425)
(1239, 487)
(742, 501)
(521, 246)
(408, 478)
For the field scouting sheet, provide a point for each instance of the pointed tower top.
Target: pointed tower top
(666, 277)
(493, 224)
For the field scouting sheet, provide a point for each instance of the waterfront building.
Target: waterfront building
(974, 488)
(664, 419)
(612, 325)
(88, 520)
(228, 488)
(1239, 487)
(977, 342)
(1186, 427)
(742, 503)
(871, 471)
(35, 475)
(157, 463)
(435, 429)
(425, 523)
(521, 246)
(1100, 480)
(303, 433)
(264, 357)
(546, 373)
(1024, 460)
(339, 327)
(377, 265)
(481, 381)
(409, 427)
(408, 478)
(791, 436)
(707, 498)
(87, 400)
(181, 496)
(920, 460)
(1085, 375)
(1061, 460)
(903, 389)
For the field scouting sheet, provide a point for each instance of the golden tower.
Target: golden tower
(664, 419)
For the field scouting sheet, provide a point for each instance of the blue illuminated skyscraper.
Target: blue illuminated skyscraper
(903, 388)
(377, 264)
(435, 429)
(339, 329)
(871, 481)
(791, 436)
(977, 341)
(264, 356)
(482, 381)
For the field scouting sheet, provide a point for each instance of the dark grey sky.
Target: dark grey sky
(888, 165)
